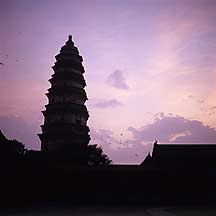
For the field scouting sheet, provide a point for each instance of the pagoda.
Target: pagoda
(65, 132)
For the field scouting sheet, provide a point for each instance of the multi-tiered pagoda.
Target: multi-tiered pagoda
(65, 130)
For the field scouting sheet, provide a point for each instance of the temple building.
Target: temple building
(182, 157)
(65, 131)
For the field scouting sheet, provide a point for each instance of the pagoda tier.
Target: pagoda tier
(66, 91)
(67, 79)
(65, 127)
(61, 136)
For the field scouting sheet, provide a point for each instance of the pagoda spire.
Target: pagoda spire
(69, 42)
(65, 130)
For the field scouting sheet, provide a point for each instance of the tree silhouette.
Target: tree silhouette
(11, 149)
(96, 156)
(16, 148)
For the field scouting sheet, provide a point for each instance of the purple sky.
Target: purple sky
(150, 69)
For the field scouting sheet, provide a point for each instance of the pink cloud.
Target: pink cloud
(117, 80)
(175, 129)
(102, 104)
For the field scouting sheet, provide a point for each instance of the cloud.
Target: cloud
(102, 104)
(201, 101)
(120, 150)
(194, 99)
(117, 80)
(16, 128)
(175, 129)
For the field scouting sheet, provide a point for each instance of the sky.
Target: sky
(150, 69)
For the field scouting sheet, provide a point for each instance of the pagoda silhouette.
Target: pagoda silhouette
(65, 132)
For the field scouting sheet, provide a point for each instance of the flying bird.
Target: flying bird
(1, 63)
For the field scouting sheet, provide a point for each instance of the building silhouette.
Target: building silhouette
(65, 132)
(182, 158)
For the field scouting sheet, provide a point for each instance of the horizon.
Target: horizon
(149, 68)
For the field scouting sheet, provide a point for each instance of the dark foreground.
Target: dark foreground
(91, 211)
(119, 190)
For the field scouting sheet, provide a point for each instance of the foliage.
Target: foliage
(96, 156)
(11, 149)
(17, 147)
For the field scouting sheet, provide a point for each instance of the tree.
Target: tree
(11, 149)
(96, 157)
(17, 148)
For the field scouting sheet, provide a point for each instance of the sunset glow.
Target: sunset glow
(150, 69)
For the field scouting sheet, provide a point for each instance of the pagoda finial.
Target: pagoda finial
(70, 42)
